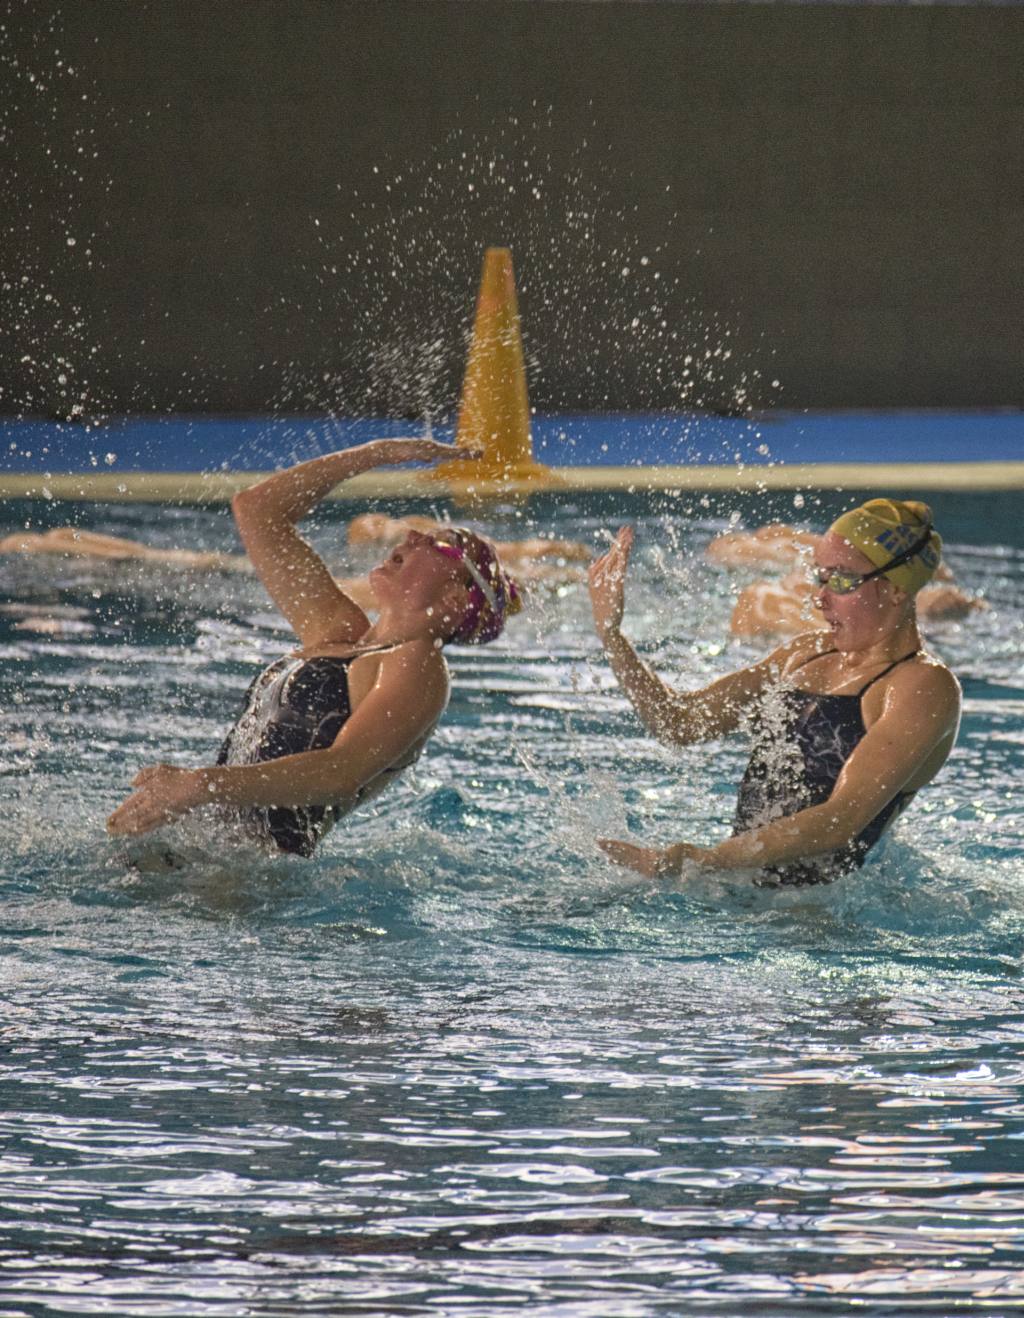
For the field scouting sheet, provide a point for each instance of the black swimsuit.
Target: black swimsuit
(295, 705)
(802, 740)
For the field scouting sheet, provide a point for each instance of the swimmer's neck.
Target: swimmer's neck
(903, 640)
(399, 629)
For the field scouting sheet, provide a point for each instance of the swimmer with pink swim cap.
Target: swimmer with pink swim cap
(493, 594)
(331, 724)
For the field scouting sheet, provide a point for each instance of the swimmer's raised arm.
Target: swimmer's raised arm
(678, 718)
(388, 727)
(295, 576)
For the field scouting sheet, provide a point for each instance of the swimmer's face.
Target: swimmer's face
(416, 576)
(858, 617)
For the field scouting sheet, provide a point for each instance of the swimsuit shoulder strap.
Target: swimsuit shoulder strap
(377, 649)
(886, 671)
(356, 654)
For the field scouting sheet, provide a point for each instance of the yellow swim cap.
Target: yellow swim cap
(884, 529)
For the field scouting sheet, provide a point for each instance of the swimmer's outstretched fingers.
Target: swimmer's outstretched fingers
(607, 581)
(652, 862)
(163, 792)
(615, 560)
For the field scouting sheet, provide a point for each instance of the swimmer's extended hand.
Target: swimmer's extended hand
(162, 794)
(653, 862)
(607, 581)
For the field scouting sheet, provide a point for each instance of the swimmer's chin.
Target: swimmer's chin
(378, 581)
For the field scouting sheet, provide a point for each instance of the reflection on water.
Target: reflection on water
(455, 1064)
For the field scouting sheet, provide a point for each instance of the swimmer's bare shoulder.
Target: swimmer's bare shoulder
(912, 716)
(924, 687)
(419, 655)
(412, 679)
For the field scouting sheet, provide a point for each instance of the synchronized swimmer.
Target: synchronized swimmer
(330, 725)
(848, 724)
(849, 719)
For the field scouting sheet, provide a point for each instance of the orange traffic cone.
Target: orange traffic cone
(494, 414)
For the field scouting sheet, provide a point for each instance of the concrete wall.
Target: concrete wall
(834, 195)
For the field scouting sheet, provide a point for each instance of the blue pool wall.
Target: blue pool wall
(193, 444)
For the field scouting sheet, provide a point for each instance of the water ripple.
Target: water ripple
(454, 1066)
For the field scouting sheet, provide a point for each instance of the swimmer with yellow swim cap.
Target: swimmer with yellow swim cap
(781, 606)
(848, 724)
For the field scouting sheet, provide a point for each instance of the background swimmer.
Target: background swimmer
(538, 562)
(848, 724)
(331, 724)
(783, 606)
(91, 544)
(378, 528)
(775, 543)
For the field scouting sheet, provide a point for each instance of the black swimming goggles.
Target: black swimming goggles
(837, 582)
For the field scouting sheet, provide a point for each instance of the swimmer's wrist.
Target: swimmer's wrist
(675, 858)
(203, 787)
(365, 457)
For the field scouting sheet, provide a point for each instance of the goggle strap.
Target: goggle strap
(478, 577)
(458, 550)
(905, 555)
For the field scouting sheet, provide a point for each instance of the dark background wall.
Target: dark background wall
(282, 203)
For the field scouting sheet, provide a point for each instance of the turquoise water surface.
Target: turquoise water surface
(457, 1064)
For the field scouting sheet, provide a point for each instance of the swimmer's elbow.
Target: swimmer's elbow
(668, 728)
(253, 513)
(340, 775)
(695, 721)
(837, 828)
(243, 503)
(241, 508)
(346, 774)
(677, 737)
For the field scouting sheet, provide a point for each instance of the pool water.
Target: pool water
(457, 1064)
